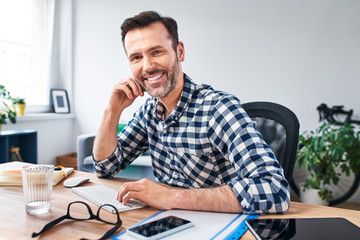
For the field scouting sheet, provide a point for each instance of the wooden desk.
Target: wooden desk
(16, 224)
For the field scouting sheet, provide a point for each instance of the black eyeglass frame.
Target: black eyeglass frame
(92, 216)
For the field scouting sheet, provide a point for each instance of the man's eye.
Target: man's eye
(156, 52)
(135, 58)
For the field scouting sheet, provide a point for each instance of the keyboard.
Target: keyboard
(100, 194)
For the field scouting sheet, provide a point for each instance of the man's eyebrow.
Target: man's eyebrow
(155, 47)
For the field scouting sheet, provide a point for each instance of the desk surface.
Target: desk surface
(16, 224)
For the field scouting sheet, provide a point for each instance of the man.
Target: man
(201, 140)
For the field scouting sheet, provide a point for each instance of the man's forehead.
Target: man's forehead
(149, 36)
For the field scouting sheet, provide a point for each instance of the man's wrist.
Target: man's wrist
(178, 199)
(111, 112)
(111, 118)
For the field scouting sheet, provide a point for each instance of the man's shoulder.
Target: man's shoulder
(209, 93)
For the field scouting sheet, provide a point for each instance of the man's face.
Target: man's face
(154, 63)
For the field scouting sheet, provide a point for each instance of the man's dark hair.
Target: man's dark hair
(144, 19)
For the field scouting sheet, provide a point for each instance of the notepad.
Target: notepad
(59, 175)
(10, 173)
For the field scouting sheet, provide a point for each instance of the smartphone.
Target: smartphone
(159, 228)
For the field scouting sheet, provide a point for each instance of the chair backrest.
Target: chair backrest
(279, 127)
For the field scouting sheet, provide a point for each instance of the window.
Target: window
(23, 50)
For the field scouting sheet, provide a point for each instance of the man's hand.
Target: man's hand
(123, 95)
(153, 194)
(216, 199)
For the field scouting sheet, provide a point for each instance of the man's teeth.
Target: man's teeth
(154, 78)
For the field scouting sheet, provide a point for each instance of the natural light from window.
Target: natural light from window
(23, 46)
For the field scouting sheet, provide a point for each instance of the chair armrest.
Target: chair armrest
(84, 149)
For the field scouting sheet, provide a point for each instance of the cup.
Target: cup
(37, 185)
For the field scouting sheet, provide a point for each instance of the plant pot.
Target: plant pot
(311, 196)
(21, 109)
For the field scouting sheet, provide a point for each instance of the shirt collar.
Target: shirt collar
(186, 95)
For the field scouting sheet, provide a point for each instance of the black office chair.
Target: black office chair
(279, 127)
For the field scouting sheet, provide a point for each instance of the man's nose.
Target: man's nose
(149, 64)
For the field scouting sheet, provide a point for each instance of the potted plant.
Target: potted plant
(20, 105)
(330, 151)
(7, 108)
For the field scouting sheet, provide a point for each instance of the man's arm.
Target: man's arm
(105, 141)
(260, 186)
(123, 95)
(217, 199)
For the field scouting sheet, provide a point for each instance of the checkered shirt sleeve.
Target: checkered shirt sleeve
(207, 141)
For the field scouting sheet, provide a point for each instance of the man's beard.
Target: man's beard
(169, 85)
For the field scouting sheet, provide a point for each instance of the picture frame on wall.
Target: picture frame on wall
(59, 101)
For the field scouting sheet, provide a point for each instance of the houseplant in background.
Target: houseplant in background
(20, 105)
(7, 108)
(332, 150)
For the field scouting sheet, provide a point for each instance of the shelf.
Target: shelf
(26, 140)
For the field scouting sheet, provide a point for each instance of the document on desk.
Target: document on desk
(206, 225)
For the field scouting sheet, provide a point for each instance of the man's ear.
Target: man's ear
(181, 51)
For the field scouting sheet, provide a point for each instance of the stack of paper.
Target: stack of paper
(10, 174)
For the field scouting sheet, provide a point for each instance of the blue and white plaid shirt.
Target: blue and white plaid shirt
(207, 140)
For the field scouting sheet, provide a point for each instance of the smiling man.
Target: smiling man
(201, 140)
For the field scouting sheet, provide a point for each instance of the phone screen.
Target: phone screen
(159, 226)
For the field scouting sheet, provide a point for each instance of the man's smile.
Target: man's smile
(151, 79)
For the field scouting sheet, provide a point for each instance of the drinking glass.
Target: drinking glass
(37, 185)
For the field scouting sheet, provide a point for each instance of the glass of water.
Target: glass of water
(37, 185)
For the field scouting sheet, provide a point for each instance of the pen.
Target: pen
(58, 168)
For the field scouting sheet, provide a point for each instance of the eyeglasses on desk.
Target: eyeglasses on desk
(74, 214)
